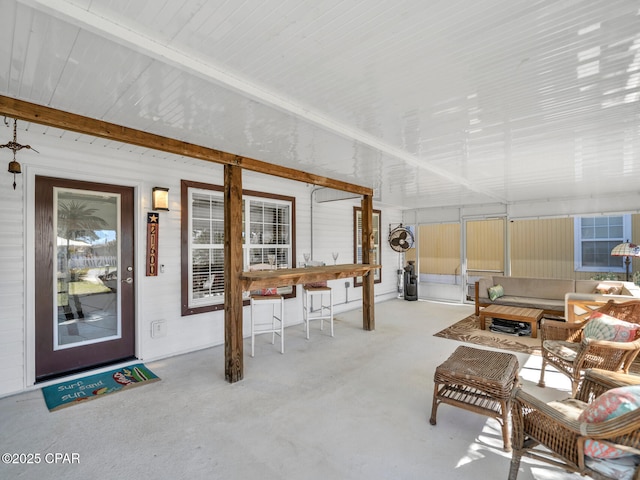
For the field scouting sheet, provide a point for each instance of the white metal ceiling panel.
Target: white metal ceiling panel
(437, 103)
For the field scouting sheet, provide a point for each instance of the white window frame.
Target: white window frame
(577, 228)
(283, 246)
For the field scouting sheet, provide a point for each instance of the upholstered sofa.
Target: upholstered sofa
(547, 294)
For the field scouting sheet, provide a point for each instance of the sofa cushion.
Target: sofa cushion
(541, 293)
(569, 407)
(547, 288)
(618, 468)
(609, 405)
(590, 286)
(621, 468)
(495, 291)
(530, 302)
(567, 351)
(606, 327)
(483, 286)
(586, 286)
(607, 289)
(629, 289)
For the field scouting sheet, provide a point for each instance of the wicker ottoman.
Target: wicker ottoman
(480, 381)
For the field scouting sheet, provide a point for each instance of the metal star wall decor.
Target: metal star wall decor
(14, 166)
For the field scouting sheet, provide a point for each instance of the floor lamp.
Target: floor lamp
(626, 250)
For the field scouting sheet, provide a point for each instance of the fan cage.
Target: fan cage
(401, 239)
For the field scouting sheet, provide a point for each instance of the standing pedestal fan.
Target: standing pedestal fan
(400, 240)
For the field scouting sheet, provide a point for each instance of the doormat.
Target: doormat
(69, 393)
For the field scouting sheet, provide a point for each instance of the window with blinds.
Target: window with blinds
(269, 233)
(206, 248)
(596, 237)
(267, 240)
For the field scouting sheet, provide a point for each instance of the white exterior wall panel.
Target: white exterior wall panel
(12, 286)
(67, 155)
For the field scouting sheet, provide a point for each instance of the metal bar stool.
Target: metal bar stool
(324, 311)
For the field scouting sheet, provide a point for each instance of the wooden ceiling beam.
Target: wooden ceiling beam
(51, 117)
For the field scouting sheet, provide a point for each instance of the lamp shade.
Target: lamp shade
(626, 250)
(160, 198)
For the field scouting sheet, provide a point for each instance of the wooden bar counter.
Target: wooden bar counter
(292, 276)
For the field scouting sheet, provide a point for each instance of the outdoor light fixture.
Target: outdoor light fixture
(626, 250)
(160, 196)
(14, 166)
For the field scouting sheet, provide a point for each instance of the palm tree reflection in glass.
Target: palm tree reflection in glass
(76, 221)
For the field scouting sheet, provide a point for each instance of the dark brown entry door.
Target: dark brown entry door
(85, 309)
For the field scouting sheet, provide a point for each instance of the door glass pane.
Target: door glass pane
(86, 296)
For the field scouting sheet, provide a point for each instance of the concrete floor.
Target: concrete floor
(355, 406)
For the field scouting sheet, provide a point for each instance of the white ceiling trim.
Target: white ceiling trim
(188, 61)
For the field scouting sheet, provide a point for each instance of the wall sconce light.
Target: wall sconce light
(160, 197)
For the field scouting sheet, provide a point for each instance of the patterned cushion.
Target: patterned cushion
(605, 327)
(265, 292)
(611, 404)
(606, 289)
(495, 292)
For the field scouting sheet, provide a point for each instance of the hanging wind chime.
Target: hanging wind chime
(14, 166)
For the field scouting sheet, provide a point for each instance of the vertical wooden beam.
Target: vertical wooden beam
(233, 356)
(368, 299)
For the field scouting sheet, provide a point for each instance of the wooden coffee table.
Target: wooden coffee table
(479, 381)
(518, 314)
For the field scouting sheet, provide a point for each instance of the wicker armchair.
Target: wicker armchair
(564, 346)
(546, 433)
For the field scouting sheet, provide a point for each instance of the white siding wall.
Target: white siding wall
(12, 287)
(333, 231)
(158, 298)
